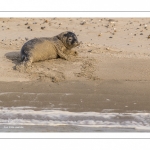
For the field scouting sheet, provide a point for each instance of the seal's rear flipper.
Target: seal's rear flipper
(23, 57)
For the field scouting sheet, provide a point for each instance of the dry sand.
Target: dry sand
(112, 49)
(115, 55)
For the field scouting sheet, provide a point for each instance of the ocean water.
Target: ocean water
(37, 112)
(19, 116)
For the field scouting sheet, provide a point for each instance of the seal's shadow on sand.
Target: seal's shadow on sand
(14, 57)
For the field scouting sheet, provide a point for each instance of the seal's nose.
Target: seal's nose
(77, 43)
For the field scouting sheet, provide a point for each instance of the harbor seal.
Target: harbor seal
(45, 48)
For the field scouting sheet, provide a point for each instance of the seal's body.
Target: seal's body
(48, 48)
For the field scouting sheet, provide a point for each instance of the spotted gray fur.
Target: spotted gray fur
(45, 48)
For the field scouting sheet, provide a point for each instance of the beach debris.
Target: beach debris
(82, 22)
(60, 23)
(26, 23)
(45, 21)
(112, 22)
(89, 50)
(115, 30)
(107, 48)
(42, 28)
(99, 34)
(148, 37)
(107, 26)
(110, 37)
(26, 39)
(28, 27)
(141, 33)
(107, 99)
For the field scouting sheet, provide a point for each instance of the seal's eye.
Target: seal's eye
(70, 39)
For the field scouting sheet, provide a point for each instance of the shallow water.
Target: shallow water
(111, 106)
(34, 116)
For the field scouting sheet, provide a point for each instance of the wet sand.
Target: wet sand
(75, 96)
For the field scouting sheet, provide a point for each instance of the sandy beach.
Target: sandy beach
(112, 49)
(111, 73)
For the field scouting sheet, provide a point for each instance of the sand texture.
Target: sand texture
(111, 49)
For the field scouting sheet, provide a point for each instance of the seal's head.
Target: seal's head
(69, 39)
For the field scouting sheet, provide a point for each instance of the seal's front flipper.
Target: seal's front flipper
(62, 55)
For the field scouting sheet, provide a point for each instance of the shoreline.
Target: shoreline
(76, 96)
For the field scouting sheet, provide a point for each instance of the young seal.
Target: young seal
(48, 48)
